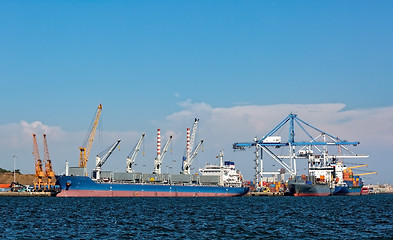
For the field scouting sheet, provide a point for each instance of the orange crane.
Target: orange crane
(363, 174)
(363, 165)
(86, 147)
(50, 178)
(39, 173)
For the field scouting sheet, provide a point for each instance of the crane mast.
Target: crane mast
(132, 156)
(50, 179)
(39, 173)
(102, 157)
(86, 147)
(160, 156)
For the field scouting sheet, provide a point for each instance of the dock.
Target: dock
(265, 194)
(27, 194)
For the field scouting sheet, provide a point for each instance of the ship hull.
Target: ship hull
(301, 188)
(76, 186)
(345, 191)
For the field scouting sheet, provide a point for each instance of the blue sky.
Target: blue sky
(147, 61)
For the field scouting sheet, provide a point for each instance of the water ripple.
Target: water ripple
(353, 217)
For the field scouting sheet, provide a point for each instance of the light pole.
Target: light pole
(14, 166)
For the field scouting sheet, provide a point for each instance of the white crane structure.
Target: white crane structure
(132, 156)
(187, 163)
(190, 156)
(160, 156)
(102, 157)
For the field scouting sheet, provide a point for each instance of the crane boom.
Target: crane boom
(104, 155)
(193, 134)
(160, 158)
(39, 173)
(165, 149)
(189, 156)
(362, 174)
(49, 173)
(363, 165)
(86, 147)
(101, 159)
(187, 163)
(132, 156)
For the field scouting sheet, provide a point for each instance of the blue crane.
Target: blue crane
(323, 139)
(292, 119)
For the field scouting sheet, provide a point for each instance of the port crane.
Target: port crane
(50, 179)
(160, 156)
(101, 159)
(132, 156)
(88, 142)
(190, 156)
(363, 174)
(269, 142)
(358, 166)
(39, 172)
(187, 164)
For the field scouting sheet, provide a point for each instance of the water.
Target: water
(351, 217)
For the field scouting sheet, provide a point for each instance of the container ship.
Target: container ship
(327, 176)
(318, 182)
(302, 187)
(346, 182)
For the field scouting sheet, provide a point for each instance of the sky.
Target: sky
(239, 66)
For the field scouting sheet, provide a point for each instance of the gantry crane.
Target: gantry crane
(160, 156)
(132, 156)
(50, 179)
(101, 159)
(39, 173)
(322, 140)
(190, 153)
(86, 146)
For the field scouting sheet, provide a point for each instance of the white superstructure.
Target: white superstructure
(229, 176)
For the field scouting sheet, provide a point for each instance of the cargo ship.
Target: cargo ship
(326, 176)
(80, 186)
(300, 187)
(318, 182)
(346, 182)
(221, 180)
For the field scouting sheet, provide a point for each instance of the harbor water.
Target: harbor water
(334, 217)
